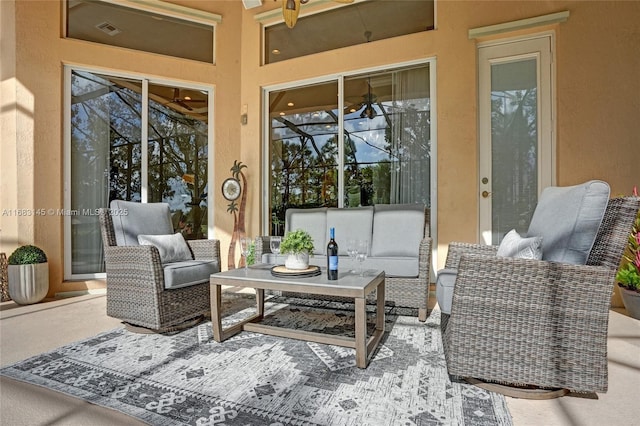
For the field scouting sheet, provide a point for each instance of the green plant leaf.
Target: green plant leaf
(297, 241)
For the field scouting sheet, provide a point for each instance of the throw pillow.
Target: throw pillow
(513, 245)
(172, 247)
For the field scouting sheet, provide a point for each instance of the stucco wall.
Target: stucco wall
(597, 90)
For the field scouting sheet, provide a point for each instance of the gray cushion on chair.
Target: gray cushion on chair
(183, 274)
(314, 221)
(397, 230)
(351, 223)
(131, 219)
(567, 219)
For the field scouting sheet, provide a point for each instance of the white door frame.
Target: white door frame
(541, 47)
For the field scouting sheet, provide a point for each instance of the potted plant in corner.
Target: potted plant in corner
(28, 275)
(628, 275)
(298, 245)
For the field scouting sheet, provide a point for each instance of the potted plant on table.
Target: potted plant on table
(28, 275)
(628, 275)
(298, 245)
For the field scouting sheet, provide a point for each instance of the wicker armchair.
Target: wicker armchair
(535, 323)
(136, 292)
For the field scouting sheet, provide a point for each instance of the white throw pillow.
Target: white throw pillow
(513, 245)
(172, 247)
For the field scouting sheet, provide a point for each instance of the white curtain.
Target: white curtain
(410, 144)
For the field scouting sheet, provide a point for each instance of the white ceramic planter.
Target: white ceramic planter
(297, 261)
(28, 283)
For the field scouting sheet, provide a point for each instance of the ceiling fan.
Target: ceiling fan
(291, 9)
(368, 100)
(183, 101)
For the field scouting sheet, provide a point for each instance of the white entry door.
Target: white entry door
(516, 133)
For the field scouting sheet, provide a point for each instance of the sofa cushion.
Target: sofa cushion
(350, 223)
(397, 230)
(189, 272)
(172, 247)
(131, 219)
(567, 219)
(513, 245)
(314, 221)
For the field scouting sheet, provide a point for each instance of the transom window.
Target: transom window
(344, 26)
(146, 27)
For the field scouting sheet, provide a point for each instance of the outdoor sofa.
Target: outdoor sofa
(399, 244)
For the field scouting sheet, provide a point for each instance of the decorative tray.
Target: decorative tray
(281, 271)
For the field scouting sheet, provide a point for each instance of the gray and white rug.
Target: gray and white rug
(251, 379)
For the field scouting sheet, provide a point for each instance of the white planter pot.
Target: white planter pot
(297, 261)
(28, 283)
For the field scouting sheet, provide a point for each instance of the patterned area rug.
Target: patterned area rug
(251, 379)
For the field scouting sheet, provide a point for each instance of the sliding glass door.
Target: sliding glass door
(108, 118)
(354, 140)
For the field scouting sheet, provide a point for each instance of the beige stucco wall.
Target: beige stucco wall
(597, 88)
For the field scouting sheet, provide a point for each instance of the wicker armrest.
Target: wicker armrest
(134, 267)
(424, 259)
(205, 249)
(512, 313)
(457, 249)
(262, 246)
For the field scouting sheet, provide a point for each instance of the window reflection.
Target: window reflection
(385, 145)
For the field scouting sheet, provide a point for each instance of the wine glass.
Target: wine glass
(363, 249)
(352, 251)
(245, 246)
(274, 244)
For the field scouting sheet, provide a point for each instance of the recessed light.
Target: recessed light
(352, 110)
(290, 104)
(275, 51)
(187, 98)
(282, 113)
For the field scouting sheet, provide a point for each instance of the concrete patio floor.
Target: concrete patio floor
(29, 330)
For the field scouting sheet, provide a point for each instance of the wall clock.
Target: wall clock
(231, 189)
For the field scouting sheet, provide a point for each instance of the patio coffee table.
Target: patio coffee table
(347, 285)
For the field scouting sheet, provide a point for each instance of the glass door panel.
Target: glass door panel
(105, 159)
(178, 156)
(382, 156)
(514, 146)
(387, 142)
(303, 149)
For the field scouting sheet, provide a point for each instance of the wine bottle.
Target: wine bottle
(332, 256)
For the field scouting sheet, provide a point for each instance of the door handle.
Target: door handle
(485, 194)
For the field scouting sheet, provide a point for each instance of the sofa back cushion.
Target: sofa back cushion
(314, 221)
(397, 229)
(131, 219)
(567, 218)
(350, 223)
